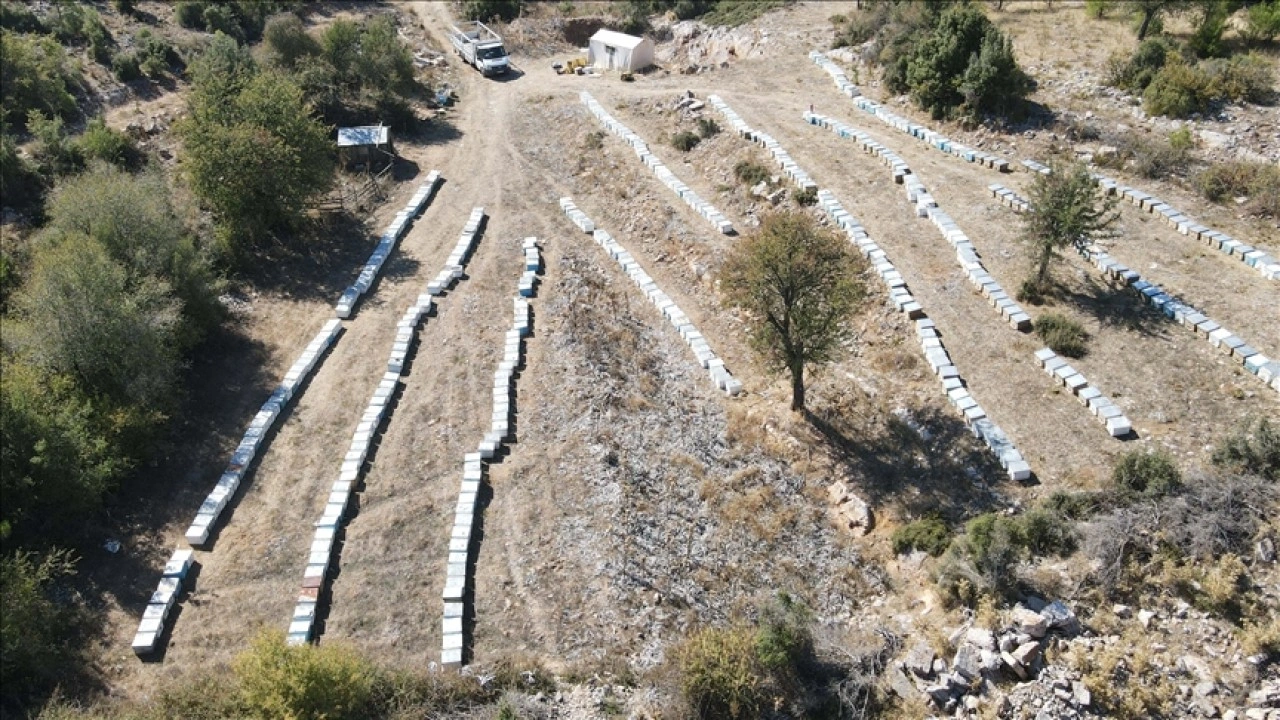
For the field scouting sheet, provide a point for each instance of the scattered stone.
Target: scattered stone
(1205, 689)
(1145, 617)
(1014, 666)
(1080, 694)
(981, 638)
(1027, 653)
(1030, 622)
(1266, 550)
(851, 511)
(900, 684)
(1124, 612)
(1060, 617)
(920, 660)
(760, 189)
(968, 661)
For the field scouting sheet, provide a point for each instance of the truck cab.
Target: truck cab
(491, 59)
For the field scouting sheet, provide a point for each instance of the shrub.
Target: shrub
(35, 75)
(721, 676)
(19, 18)
(707, 127)
(1151, 474)
(965, 61)
(1243, 78)
(1097, 9)
(861, 26)
(1179, 90)
(783, 638)
(1044, 532)
(190, 14)
(1074, 506)
(1136, 72)
(219, 18)
(288, 40)
(1206, 41)
(124, 7)
(20, 187)
(307, 681)
(685, 140)
(55, 152)
(594, 140)
(1262, 22)
(929, 534)
(487, 10)
(1181, 141)
(125, 67)
(1155, 159)
(805, 196)
(751, 173)
(99, 142)
(1252, 449)
(1260, 182)
(33, 628)
(1062, 334)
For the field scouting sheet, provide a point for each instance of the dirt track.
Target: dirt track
(516, 151)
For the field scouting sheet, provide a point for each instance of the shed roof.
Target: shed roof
(617, 39)
(363, 135)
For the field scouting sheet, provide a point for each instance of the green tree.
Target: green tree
(54, 150)
(101, 142)
(965, 61)
(35, 75)
(20, 185)
(257, 159)
(278, 681)
(1206, 41)
(487, 10)
(132, 218)
(340, 43)
(288, 41)
(1149, 13)
(80, 315)
(384, 63)
(993, 82)
(1069, 211)
(1262, 22)
(218, 75)
(799, 285)
(34, 652)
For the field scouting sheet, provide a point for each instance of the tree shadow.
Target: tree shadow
(1114, 306)
(317, 263)
(936, 472)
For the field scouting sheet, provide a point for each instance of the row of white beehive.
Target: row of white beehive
(1009, 198)
(255, 435)
(1107, 412)
(707, 358)
(651, 161)
(457, 577)
(925, 206)
(836, 73)
(162, 601)
(789, 166)
(396, 230)
(324, 539)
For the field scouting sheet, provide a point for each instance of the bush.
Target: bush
(929, 534)
(1253, 449)
(1179, 90)
(1062, 334)
(721, 676)
(1206, 41)
(1074, 506)
(805, 196)
(685, 141)
(219, 18)
(34, 630)
(1262, 22)
(125, 67)
(124, 7)
(1151, 474)
(783, 638)
(1136, 72)
(279, 681)
(707, 127)
(1260, 182)
(99, 142)
(861, 26)
(190, 14)
(288, 41)
(751, 173)
(1243, 78)
(1045, 532)
(19, 18)
(35, 75)
(488, 10)
(966, 63)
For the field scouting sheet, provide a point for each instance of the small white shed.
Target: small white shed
(609, 50)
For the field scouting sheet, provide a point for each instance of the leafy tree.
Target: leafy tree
(965, 60)
(278, 681)
(100, 142)
(1206, 41)
(54, 150)
(799, 284)
(190, 14)
(340, 43)
(33, 650)
(258, 158)
(384, 63)
(220, 18)
(35, 75)
(80, 315)
(288, 41)
(487, 10)
(20, 185)
(132, 218)
(1069, 212)
(1150, 12)
(1262, 22)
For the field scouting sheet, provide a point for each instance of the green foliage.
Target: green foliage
(1136, 72)
(732, 13)
(190, 14)
(929, 534)
(220, 18)
(1180, 140)
(487, 10)
(287, 41)
(279, 681)
(254, 153)
(1178, 90)
(35, 75)
(19, 18)
(1206, 41)
(1242, 78)
(1254, 449)
(805, 196)
(1149, 15)
(20, 184)
(54, 150)
(783, 638)
(965, 64)
(1074, 506)
(980, 563)
(720, 673)
(799, 284)
(360, 72)
(1069, 212)
(34, 652)
(99, 142)
(1062, 334)
(125, 67)
(77, 24)
(1098, 9)
(1262, 22)
(685, 141)
(751, 173)
(1259, 181)
(1146, 474)
(124, 7)
(860, 26)
(707, 127)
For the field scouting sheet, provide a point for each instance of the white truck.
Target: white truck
(480, 47)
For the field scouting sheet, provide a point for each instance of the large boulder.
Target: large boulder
(850, 511)
(1030, 622)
